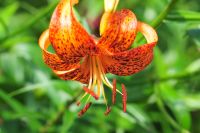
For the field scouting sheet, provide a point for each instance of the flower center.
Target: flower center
(95, 87)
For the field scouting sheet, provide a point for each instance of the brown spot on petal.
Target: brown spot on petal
(120, 32)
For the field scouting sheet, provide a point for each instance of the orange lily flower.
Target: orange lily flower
(81, 57)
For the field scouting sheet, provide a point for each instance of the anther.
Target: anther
(78, 103)
(91, 92)
(124, 97)
(82, 112)
(107, 111)
(114, 92)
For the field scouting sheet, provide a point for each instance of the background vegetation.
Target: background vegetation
(164, 98)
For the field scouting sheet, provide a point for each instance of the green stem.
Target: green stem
(163, 14)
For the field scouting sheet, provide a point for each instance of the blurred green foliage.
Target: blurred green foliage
(164, 98)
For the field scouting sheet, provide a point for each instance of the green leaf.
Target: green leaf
(68, 120)
(140, 116)
(69, 87)
(31, 22)
(194, 66)
(159, 63)
(166, 94)
(192, 101)
(194, 35)
(7, 12)
(8, 64)
(184, 15)
(27, 89)
(177, 105)
(182, 114)
(21, 110)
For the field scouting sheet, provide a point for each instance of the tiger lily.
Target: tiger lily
(87, 59)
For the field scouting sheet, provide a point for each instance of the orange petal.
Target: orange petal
(69, 39)
(134, 60)
(52, 60)
(80, 73)
(120, 31)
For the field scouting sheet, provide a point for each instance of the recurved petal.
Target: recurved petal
(69, 39)
(134, 60)
(80, 73)
(119, 30)
(52, 60)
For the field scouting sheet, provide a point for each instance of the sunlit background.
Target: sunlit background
(163, 98)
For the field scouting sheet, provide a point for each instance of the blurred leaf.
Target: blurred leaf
(194, 66)
(15, 41)
(182, 114)
(140, 116)
(194, 34)
(8, 11)
(8, 63)
(27, 89)
(68, 119)
(20, 109)
(171, 98)
(184, 15)
(5, 17)
(32, 21)
(192, 101)
(159, 63)
(177, 105)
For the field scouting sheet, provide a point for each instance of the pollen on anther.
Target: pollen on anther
(82, 112)
(114, 92)
(91, 93)
(107, 111)
(78, 103)
(124, 97)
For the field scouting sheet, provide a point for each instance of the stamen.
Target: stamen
(114, 91)
(78, 103)
(104, 78)
(107, 111)
(82, 112)
(94, 72)
(97, 78)
(104, 96)
(90, 82)
(91, 73)
(99, 84)
(124, 97)
(91, 92)
(101, 71)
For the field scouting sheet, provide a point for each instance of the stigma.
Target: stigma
(95, 88)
